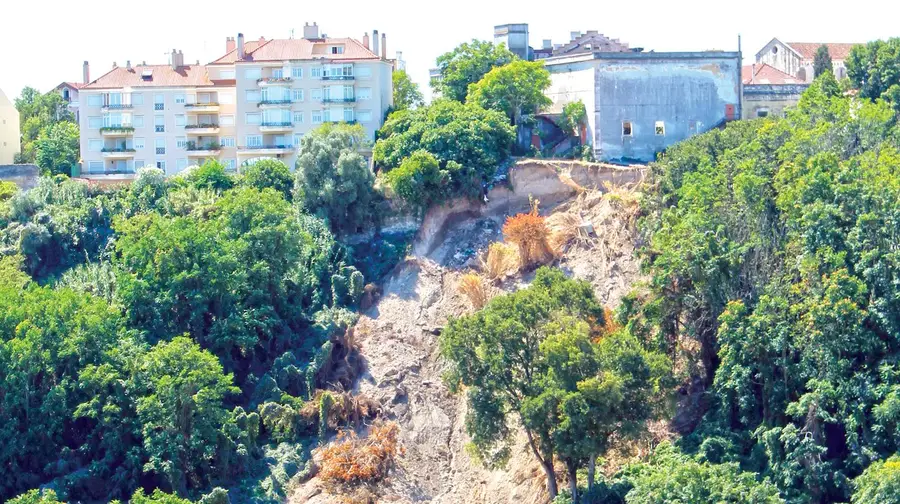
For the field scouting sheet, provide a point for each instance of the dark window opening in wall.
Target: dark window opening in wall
(626, 128)
(775, 50)
(762, 113)
(660, 128)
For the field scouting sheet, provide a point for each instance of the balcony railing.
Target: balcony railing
(116, 128)
(195, 105)
(338, 77)
(159, 106)
(287, 124)
(116, 149)
(340, 121)
(211, 146)
(159, 129)
(267, 147)
(274, 102)
(339, 100)
(118, 106)
(274, 80)
(201, 126)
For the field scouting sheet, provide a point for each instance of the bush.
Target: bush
(351, 460)
(880, 483)
(475, 288)
(530, 233)
(269, 173)
(500, 261)
(419, 180)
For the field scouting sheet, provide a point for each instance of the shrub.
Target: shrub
(880, 482)
(500, 261)
(476, 289)
(210, 175)
(352, 460)
(269, 173)
(531, 234)
(419, 180)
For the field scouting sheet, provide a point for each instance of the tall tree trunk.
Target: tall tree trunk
(547, 464)
(592, 470)
(573, 480)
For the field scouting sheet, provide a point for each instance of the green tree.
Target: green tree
(880, 482)
(333, 179)
(56, 149)
(406, 92)
(419, 180)
(269, 173)
(822, 62)
(36, 497)
(516, 89)
(874, 68)
(467, 64)
(37, 112)
(573, 117)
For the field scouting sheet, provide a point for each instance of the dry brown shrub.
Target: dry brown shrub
(476, 289)
(501, 261)
(351, 460)
(346, 409)
(529, 232)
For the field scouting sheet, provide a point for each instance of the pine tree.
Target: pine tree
(822, 62)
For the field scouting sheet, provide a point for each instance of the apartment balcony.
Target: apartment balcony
(107, 107)
(117, 153)
(274, 81)
(263, 150)
(201, 108)
(352, 99)
(276, 127)
(204, 152)
(270, 104)
(338, 77)
(201, 129)
(116, 131)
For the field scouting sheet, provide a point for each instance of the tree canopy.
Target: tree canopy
(822, 62)
(38, 112)
(406, 92)
(516, 89)
(874, 69)
(467, 64)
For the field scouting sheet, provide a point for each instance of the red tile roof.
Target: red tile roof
(299, 49)
(765, 74)
(808, 50)
(160, 76)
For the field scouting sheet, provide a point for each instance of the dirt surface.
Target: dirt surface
(398, 339)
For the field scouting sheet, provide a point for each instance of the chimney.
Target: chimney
(399, 55)
(384, 46)
(752, 73)
(240, 46)
(128, 65)
(229, 44)
(115, 65)
(366, 40)
(375, 42)
(86, 73)
(262, 40)
(311, 31)
(575, 35)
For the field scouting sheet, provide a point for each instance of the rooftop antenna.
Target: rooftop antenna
(292, 33)
(167, 53)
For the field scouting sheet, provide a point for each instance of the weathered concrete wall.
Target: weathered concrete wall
(771, 98)
(23, 175)
(688, 92)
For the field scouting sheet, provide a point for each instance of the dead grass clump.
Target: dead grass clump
(501, 261)
(476, 289)
(529, 232)
(351, 460)
(344, 409)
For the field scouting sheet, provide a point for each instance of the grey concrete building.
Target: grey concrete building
(639, 103)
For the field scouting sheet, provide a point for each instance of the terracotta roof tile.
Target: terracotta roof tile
(766, 74)
(808, 50)
(160, 76)
(299, 49)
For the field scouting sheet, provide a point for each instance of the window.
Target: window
(94, 101)
(252, 73)
(179, 99)
(138, 143)
(254, 140)
(364, 72)
(276, 116)
(278, 73)
(228, 141)
(137, 99)
(364, 116)
(315, 72)
(226, 98)
(95, 145)
(95, 122)
(315, 94)
(179, 120)
(181, 164)
(297, 138)
(317, 117)
(348, 114)
(226, 120)
(139, 163)
(297, 73)
(180, 142)
(138, 122)
(159, 102)
(297, 95)
(337, 49)
(775, 50)
(252, 118)
(364, 93)
(95, 167)
(626, 128)
(230, 164)
(660, 128)
(763, 112)
(161, 165)
(253, 95)
(159, 124)
(160, 146)
(298, 117)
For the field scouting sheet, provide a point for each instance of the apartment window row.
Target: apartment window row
(315, 72)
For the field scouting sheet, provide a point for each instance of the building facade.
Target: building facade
(639, 103)
(768, 92)
(256, 101)
(9, 130)
(796, 58)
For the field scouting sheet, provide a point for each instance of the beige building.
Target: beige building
(254, 102)
(9, 130)
(796, 58)
(768, 92)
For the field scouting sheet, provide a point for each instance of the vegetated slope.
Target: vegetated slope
(398, 337)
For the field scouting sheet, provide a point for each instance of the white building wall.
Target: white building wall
(9, 130)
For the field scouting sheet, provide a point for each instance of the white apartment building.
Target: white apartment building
(9, 130)
(256, 101)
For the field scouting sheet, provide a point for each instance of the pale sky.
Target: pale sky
(45, 41)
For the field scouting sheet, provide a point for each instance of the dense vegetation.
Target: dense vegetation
(170, 334)
(49, 132)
